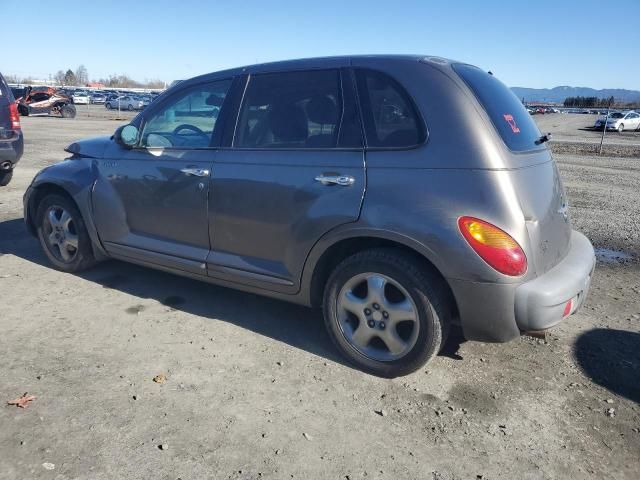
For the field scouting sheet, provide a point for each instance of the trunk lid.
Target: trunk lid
(528, 162)
(543, 201)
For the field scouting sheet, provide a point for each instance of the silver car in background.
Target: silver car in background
(619, 121)
(124, 102)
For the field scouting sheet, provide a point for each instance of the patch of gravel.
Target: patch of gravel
(608, 150)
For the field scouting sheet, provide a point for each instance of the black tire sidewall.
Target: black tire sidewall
(431, 314)
(5, 177)
(84, 257)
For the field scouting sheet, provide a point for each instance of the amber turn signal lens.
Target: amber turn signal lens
(494, 246)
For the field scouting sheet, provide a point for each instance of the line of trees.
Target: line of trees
(124, 81)
(588, 102)
(80, 77)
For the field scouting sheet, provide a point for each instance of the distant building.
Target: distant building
(95, 85)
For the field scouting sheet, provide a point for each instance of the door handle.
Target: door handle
(196, 172)
(343, 180)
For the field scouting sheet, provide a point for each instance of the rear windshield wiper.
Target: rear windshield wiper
(544, 138)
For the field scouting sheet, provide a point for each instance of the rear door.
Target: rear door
(293, 171)
(151, 202)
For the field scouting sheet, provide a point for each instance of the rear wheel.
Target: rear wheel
(108, 106)
(5, 177)
(63, 235)
(68, 111)
(384, 313)
(130, 107)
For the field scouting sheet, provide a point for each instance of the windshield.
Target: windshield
(616, 115)
(508, 115)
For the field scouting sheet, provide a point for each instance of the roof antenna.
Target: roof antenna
(490, 73)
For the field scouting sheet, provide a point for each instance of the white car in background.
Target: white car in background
(619, 121)
(80, 98)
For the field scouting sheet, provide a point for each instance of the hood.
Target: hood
(93, 147)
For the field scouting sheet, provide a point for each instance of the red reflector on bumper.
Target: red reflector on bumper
(567, 308)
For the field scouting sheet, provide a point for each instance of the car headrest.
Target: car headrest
(323, 110)
(288, 123)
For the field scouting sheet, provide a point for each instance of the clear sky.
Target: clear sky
(529, 43)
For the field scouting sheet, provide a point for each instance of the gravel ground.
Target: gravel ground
(254, 388)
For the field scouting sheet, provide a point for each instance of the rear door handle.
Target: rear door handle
(343, 180)
(196, 172)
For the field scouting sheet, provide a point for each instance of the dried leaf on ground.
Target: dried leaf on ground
(23, 401)
(160, 378)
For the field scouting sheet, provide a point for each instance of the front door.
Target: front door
(295, 171)
(150, 202)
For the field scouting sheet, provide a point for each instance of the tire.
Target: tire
(416, 289)
(107, 106)
(68, 111)
(5, 177)
(23, 111)
(130, 107)
(76, 259)
(621, 128)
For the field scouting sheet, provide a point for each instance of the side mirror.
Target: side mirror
(127, 135)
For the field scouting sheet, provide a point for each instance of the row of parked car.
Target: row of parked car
(112, 99)
(541, 110)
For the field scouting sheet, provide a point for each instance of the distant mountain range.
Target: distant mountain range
(558, 94)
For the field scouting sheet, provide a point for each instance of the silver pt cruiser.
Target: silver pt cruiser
(402, 194)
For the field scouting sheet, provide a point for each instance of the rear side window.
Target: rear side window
(390, 118)
(291, 110)
(511, 119)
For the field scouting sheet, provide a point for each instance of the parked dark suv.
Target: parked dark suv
(11, 141)
(401, 194)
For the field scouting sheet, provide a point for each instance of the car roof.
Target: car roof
(311, 63)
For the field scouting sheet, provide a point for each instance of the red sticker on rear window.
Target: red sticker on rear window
(512, 123)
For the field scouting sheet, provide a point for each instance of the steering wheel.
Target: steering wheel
(185, 140)
(193, 128)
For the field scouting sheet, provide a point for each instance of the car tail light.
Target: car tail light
(567, 308)
(14, 117)
(494, 246)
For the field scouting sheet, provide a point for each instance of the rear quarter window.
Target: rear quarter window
(508, 115)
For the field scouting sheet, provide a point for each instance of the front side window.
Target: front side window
(291, 110)
(188, 119)
(390, 118)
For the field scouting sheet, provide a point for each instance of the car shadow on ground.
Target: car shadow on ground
(611, 358)
(295, 325)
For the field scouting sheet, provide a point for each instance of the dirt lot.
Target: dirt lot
(254, 388)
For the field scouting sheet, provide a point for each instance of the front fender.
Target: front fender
(76, 177)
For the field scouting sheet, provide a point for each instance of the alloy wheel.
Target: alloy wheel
(60, 234)
(377, 317)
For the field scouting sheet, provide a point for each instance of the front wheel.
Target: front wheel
(130, 107)
(63, 235)
(621, 128)
(107, 106)
(387, 315)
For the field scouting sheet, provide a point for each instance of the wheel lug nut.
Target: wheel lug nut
(382, 325)
(367, 311)
(376, 306)
(371, 323)
(385, 314)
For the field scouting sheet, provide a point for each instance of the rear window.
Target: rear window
(390, 118)
(511, 119)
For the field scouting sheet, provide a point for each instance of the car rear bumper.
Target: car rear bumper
(493, 312)
(11, 149)
(541, 303)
